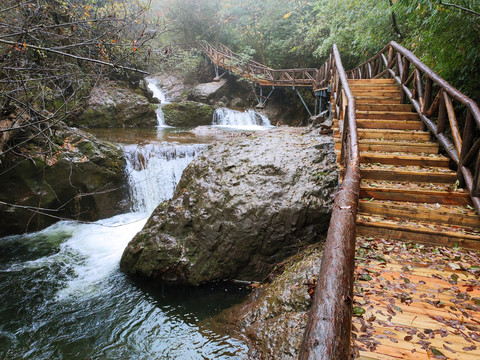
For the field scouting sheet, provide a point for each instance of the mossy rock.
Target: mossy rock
(188, 113)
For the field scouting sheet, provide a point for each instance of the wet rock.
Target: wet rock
(187, 113)
(113, 105)
(209, 92)
(239, 208)
(272, 319)
(79, 177)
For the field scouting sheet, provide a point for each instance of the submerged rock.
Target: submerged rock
(76, 177)
(272, 319)
(113, 105)
(187, 113)
(239, 208)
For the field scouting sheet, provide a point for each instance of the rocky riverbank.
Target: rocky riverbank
(75, 176)
(240, 208)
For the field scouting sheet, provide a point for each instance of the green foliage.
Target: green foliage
(446, 39)
(300, 33)
(185, 63)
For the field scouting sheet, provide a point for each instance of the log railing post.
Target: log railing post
(328, 332)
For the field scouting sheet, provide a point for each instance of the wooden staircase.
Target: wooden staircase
(408, 192)
(414, 304)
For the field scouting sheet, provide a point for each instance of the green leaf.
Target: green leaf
(436, 352)
(358, 311)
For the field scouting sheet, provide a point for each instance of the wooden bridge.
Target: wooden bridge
(267, 79)
(397, 253)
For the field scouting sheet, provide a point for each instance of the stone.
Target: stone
(187, 113)
(272, 319)
(239, 208)
(208, 92)
(113, 105)
(82, 178)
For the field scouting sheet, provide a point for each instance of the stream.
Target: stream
(62, 295)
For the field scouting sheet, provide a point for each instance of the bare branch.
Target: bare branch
(460, 7)
(73, 56)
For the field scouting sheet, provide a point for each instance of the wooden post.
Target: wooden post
(453, 123)
(390, 57)
(405, 69)
(442, 115)
(468, 137)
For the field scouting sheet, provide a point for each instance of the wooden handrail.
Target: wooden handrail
(328, 331)
(259, 73)
(452, 117)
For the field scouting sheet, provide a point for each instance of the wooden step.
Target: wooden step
(387, 115)
(408, 173)
(382, 191)
(416, 231)
(433, 213)
(371, 81)
(395, 146)
(386, 124)
(370, 100)
(373, 86)
(404, 159)
(381, 94)
(383, 107)
(413, 135)
(389, 124)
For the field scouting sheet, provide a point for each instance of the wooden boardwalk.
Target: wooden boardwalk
(413, 301)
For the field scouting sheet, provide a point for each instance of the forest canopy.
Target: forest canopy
(300, 33)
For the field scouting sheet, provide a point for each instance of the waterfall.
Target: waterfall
(247, 120)
(161, 96)
(154, 170)
(93, 251)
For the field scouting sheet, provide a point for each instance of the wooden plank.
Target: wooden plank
(402, 234)
(387, 124)
(409, 175)
(370, 100)
(376, 87)
(387, 115)
(440, 215)
(460, 198)
(395, 146)
(383, 107)
(406, 160)
(394, 135)
(371, 81)
(416, 227)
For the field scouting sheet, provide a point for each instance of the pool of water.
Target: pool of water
(62, 296)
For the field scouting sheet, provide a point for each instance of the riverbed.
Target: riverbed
(62, 295)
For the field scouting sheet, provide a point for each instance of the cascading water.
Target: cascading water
(247, 120)
(154, 171)
(63, 295)
(161, 96)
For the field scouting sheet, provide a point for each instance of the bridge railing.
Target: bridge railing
(328, 331)
(452, 117)
(259, 73)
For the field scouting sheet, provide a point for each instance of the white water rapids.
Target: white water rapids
(238, 120)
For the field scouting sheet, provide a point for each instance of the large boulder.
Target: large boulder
(187, 113)
(76, 176)
(239, 208)
(208, 92)
(272, 319)
(113, 105)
